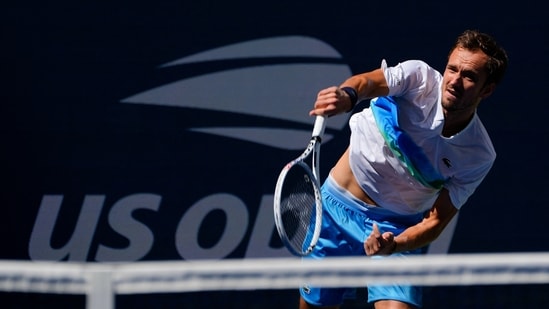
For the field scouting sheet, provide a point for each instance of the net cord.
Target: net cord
(102, 281)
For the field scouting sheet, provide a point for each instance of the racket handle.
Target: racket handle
(320, 124)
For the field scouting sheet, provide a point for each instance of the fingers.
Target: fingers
(328, 102)
(375, 230)
(378, 243)
(372, 243)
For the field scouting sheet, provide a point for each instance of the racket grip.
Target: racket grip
(320, 124)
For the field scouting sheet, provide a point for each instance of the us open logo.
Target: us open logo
(278, 84)
(281, 84)
(280, 81)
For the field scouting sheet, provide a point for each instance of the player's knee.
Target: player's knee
(392, 304)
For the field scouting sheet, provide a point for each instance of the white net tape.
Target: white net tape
(100, 282)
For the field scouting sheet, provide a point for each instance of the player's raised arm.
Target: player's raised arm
(336, 100)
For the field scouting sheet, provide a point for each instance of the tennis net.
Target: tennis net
(451, 281)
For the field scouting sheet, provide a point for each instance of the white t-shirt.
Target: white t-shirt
(463, 159)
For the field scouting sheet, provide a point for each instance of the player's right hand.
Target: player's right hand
(331, 101)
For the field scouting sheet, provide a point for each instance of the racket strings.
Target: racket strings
(297, 208)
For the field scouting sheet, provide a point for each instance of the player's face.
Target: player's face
(464, 80)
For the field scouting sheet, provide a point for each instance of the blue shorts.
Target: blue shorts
(346, 223)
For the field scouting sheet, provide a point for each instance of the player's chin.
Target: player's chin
(449, 100)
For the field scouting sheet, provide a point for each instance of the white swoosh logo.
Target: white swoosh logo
(290, 46)
(279, 91)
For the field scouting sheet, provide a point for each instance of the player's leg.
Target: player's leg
(398, 296)
(392, 304)
(341, 235)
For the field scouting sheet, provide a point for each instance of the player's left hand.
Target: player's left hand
(379, 243)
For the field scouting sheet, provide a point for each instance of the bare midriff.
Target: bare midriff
(344, 177)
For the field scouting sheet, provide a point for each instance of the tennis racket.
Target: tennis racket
(297, 198)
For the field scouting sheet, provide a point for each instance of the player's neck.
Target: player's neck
(455, 122)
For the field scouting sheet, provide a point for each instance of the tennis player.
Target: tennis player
(415, 156)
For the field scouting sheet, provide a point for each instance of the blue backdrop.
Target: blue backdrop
(155, 130)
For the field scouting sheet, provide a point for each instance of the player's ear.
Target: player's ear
(487, 90)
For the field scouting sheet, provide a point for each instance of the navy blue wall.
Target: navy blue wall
(113, 152)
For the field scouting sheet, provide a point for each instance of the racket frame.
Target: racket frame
(313, 149)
